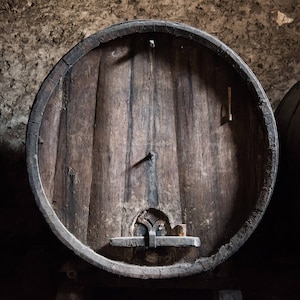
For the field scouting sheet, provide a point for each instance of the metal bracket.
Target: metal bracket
(159, 241)
(155, 237)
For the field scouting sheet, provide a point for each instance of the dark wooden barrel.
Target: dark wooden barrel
(288, 120)
(285, 206)
(152, 150)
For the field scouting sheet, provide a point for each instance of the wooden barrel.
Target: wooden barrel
(152, 150)
(286, 200)
(288, 119)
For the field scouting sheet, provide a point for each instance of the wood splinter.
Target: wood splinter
(229, 104)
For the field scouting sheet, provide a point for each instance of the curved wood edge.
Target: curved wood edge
(286, 110)
(32, 140)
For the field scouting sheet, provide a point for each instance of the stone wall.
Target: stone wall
(35, 35)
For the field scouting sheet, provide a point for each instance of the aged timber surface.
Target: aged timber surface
(161, 94)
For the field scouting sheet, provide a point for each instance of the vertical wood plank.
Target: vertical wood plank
(139, 136)
(207, 165)
(164, 136)
(109, 149)
(74, 158)
(49, 134)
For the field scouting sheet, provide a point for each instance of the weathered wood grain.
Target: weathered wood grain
(128, 99)
(153, 119)
(69, 180)
(109, 150)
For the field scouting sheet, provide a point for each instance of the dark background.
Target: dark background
(36, 265)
